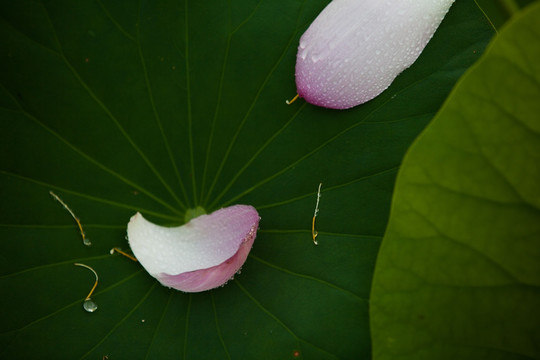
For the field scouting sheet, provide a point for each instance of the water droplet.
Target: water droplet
(89, 305)
(316, 57)
(378, 52)
(87, 241)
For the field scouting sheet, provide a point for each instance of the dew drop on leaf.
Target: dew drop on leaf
(89, 305)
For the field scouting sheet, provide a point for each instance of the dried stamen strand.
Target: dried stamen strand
(86, 241)
(88, 304)
(123, 253)
(293, 100)
(314, 232)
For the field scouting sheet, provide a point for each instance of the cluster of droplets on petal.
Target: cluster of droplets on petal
(200, 255)
(213, 277)
(355, 49)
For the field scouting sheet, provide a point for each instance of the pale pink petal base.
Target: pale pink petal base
(207, 279)
(200, 255)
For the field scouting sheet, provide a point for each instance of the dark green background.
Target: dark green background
(157, 107)
(499, 11)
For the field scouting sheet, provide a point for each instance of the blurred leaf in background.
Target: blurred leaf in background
(458, 272)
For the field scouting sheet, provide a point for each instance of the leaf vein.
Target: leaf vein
(327, 188)
(218, 329)
(127, 316)
(115, 23)
(189, 102)
(78, 302)
(165, 308)
(248, 114)
(255, 155)
(463, 244)
(90, 197)
(106, 110)
(307, 277)
(156, 114)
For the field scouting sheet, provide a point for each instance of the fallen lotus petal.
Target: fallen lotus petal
(200, 255)
(355, 48)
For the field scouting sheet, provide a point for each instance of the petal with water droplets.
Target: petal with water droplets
(200, 255)
(355, 49)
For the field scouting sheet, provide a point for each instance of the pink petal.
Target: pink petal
(205, 279)
(200, 255)
(355, 48)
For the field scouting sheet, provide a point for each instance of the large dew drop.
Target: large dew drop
(89, 305)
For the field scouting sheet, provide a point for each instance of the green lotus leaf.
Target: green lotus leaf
(458, 273)
(175, 108)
